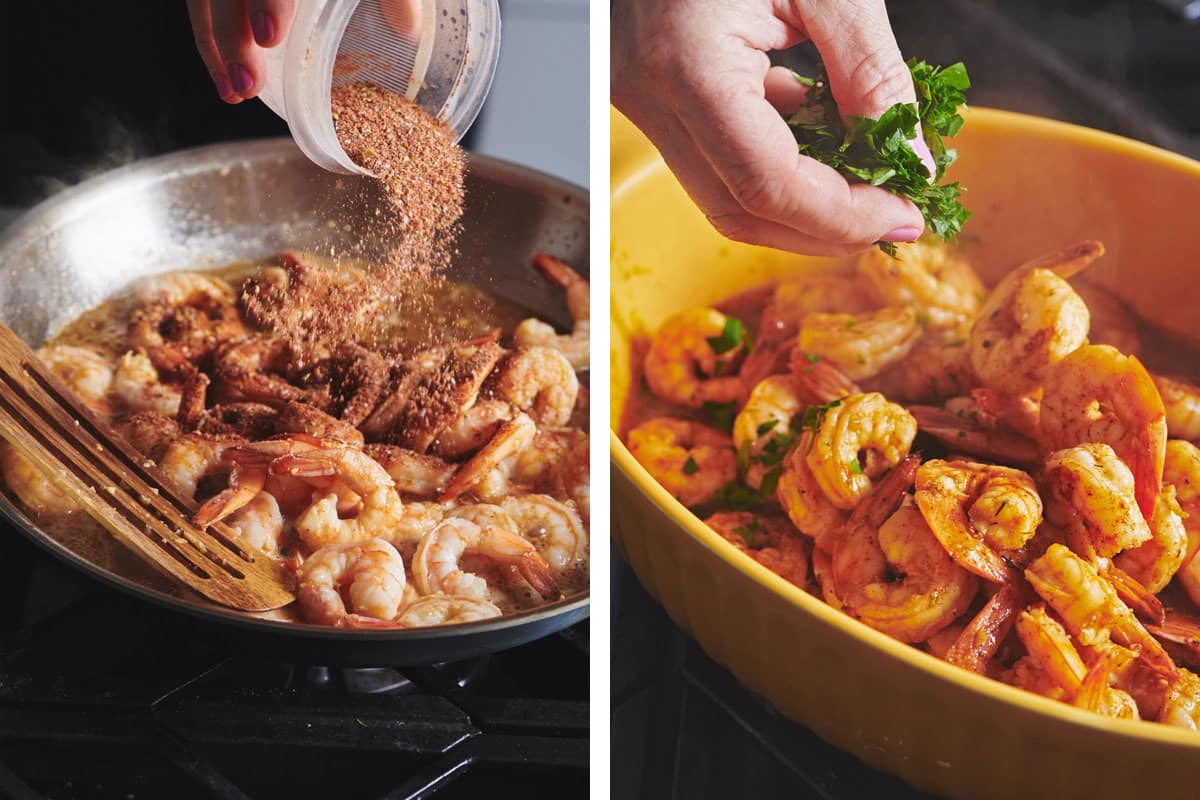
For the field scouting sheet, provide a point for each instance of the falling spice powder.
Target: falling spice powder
(419, 165)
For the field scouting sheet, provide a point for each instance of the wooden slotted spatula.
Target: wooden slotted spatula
(122, 490)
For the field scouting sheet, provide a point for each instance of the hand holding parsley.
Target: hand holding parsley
(881, 151)
(694, 76)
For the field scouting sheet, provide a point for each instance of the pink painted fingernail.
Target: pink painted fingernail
(922, 150)
(241, 78)
(263, 25)
(901, 235)
(224, 90)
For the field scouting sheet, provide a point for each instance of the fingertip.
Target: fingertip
(242, 80)
(262, 23)
(785, 90)
(922, 150)
(224, 87)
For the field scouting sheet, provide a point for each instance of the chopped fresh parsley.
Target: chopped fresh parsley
(729, 338)
(812, 358)
(748, 530)
(855, 467)
(737, 497)
(766, 427)
(770, 480)
(720, 415)
(878, 151)
(690, 467)
(812, 419)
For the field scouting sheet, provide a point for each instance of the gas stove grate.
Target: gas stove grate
(102, 696)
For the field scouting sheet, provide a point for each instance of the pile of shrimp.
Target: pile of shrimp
(991, 476)
(403, 489)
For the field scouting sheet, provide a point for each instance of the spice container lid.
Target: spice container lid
(440, 53)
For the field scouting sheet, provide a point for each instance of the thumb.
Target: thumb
(867, 74)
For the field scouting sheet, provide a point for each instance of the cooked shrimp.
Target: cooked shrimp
(770, 541)
(932, 371)
(294, 417)
(1155, 562)
(31, 486)
(1181, 469)
(978, 642)
(827, 293)
(859, 438)
(488, 470)
(576, 344)
(149, 432)
(975, 438)
(554, 528)
(822, 567)
(436, 568)
(415, 474)
(1112, 322)
(192, 457)
(979, 513)
(883, 540)
(86, 372)
(941, 286)
(472, 429)
(175, 335)
(320, 524)
(368, 577)
(418, 519)
(485, 515)
(1181, 707)
(690, 460)
(1098, 395)
(804, 501)
(541, 382)
(1090, 607)
(251, 368)
(136, 384)
(681, 365)
(1091, 491)
(180, 288)
(260, 523)
(820, 380)
(538, 464)
(1031, 321)
(765, 423)
(575, 478)
(446, 609)
(1181, 400)
(1050, 646)
(861, 345)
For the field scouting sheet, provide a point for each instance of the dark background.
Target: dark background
(92, 85)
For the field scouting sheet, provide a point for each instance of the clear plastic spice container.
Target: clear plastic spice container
(446, 64)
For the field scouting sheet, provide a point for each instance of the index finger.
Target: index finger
(753, 151)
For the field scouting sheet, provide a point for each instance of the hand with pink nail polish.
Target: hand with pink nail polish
(695, 77)
(231, 35)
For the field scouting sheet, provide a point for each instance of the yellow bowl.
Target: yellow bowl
(1034, 185)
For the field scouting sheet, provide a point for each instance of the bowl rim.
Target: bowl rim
(73, 202)
(639, 161)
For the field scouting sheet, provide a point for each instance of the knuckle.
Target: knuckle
(738, 226)
(883, 79)
(757, 193)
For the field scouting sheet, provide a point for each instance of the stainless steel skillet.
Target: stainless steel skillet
(244, 200)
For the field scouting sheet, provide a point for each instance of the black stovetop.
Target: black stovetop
(103, 696)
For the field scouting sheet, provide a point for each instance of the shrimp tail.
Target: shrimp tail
(887, 495)
(981, 639)
(1068, 261)
(1143, 602)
